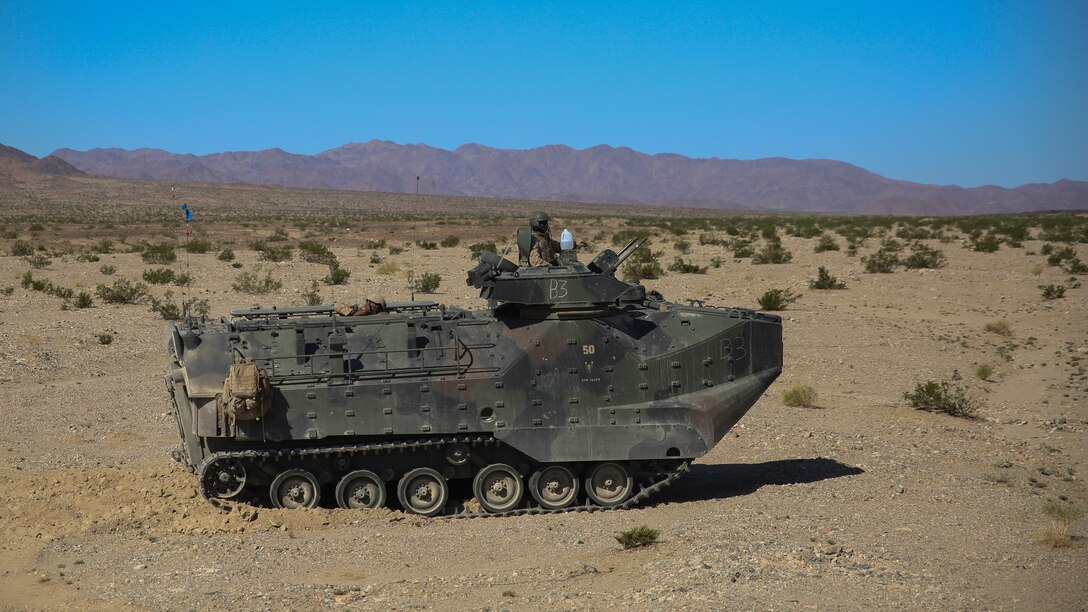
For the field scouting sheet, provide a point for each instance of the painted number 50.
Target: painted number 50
(588, 349)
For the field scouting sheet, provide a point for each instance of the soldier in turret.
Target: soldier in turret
(544, 251)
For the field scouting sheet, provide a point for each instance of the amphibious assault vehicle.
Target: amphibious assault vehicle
(572, 390)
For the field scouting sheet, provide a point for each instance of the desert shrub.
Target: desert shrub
(891, 245)
(769, 232)
(199, 307)
(159, 276)
(162, 253)
(225, 255)
(313, 296)
(37, 227)
(236, 265)
(122, 291)
(8, 291)
(801, 396)
(396, 250)
(988, 243)
(183, 280)
(172, 311)
(314, 252)
(922, 256)
(45, 286)
(1056, 256)
(427, 282)
(103, 247)
(711, 239)
(645, 264)
(276, 254)
(88, 258)
(1076, 266)
(772, 253)
(166, 307)
(881, 262)
(1061, 515)
(426, 246)
(375, 259)
(945, 396)
(108, 269)
(637, 537)
(682, 246)
(197, 245)
(105, 338)
(252, 283)
(337, 275)
(38, 261)
(450, 241)
(913, 233)
(1052, 292)
(479, 247)
(1001, 328)
(22, 248)
(715, 262)
(777, 299)
(826, 243)
(63, 293)
(280, 235)
(824, 280)
(83, 300)
(804, 228)
(683, 267)
(983, 372)
(742, 249)
(29, 282)
(387, 268)
(624, 236)
(373, 244)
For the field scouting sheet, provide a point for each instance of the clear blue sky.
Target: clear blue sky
(943, 92)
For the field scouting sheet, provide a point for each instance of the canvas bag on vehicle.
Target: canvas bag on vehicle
(246, 392)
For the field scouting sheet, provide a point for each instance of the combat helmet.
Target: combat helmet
(539, 221)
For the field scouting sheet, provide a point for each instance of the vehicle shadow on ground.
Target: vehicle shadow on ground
(705, 482)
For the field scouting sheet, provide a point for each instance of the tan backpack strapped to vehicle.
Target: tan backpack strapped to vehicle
(247, 393)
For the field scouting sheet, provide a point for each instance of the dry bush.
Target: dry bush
(253, 284)
(825, 280)
(1001, 328)
(777, 299)
(122, 291)
(1052, 292)
(638, 536)
(772, 253)
(945, 396)
(801, 396)
(1061, 515)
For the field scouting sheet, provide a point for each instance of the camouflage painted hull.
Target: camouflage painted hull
(646, 388)
(573, 390)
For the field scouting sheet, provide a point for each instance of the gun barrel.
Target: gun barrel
(625, 253)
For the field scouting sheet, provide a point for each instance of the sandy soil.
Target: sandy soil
(862, 502)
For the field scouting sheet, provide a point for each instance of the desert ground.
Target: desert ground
(859, 501)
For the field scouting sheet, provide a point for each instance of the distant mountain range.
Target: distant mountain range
(597, 174)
